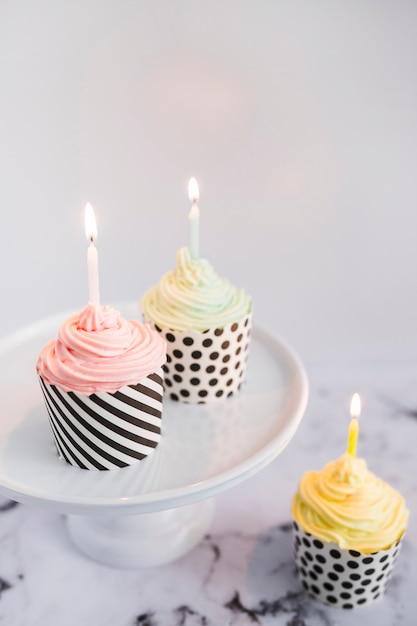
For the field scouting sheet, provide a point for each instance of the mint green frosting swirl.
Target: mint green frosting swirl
(193, 297)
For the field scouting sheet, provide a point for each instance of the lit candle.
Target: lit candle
(194, 217)
(92, 257)
(355, 411)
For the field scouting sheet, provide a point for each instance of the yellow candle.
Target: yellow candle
(355, 411)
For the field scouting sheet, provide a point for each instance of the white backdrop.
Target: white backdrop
(297, 118)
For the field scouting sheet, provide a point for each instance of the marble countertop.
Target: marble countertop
(242, 572)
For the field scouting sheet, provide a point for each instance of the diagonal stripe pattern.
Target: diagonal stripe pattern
(106, 431)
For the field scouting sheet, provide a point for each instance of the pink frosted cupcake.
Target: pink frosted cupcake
(102, 382)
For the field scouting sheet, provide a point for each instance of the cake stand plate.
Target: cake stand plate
(156, 510)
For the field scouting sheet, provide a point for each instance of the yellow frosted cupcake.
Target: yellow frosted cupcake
(348, 527)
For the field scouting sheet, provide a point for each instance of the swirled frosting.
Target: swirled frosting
(98, 350)
(347, 504)
(192, 296)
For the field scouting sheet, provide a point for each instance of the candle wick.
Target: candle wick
(91, 240)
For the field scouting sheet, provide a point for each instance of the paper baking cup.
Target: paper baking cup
(105, 431)
(206, 366)
(342, 578)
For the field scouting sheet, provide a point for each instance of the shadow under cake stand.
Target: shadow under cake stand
(158, 509)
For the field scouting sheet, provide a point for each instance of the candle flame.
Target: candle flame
(193, 191)
(90, 223)
(355, 405)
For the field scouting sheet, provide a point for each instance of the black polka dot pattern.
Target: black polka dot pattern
(341, 578)
(202, 367)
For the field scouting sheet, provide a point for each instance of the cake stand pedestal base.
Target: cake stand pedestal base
(144, 540)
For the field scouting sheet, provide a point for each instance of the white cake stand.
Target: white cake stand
(158, 509)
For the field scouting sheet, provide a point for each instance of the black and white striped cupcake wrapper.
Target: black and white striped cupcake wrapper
(342, 578)
(105, 431)
(206, 366)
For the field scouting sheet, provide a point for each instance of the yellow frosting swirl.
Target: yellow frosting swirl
(193, 296)
(347, 504)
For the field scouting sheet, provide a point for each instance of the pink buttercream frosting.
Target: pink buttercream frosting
(98, 350)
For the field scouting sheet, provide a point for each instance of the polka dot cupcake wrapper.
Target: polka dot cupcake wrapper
(342, 578)
(206, 366)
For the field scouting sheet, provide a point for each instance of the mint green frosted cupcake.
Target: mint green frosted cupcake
(207, 323)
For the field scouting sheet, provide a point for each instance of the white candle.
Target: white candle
(194, 217)
(92, 256)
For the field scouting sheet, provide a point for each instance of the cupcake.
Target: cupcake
(102, 382)
(206, 322)
(348, 527)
